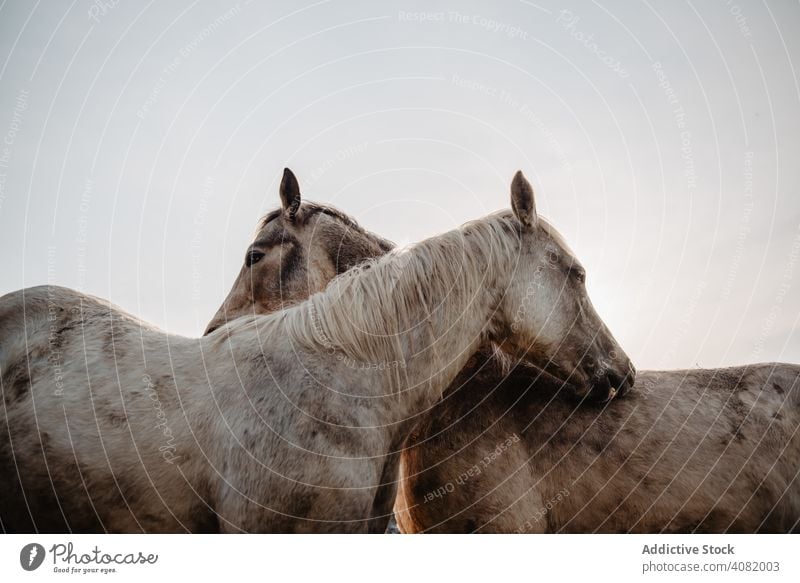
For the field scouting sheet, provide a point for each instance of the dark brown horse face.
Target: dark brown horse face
(552, 318)
(297, 251)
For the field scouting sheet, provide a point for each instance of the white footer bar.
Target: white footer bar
(334, 558)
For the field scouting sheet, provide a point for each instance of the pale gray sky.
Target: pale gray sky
(140, 144)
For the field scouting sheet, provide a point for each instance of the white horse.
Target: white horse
(281, 423)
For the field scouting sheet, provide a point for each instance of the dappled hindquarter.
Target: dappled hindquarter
(92, 439)
(695, 451)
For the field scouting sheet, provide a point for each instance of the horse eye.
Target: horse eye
(254, 256)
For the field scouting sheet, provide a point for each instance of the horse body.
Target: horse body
(283, 423)
(687, 451)
(145, 431)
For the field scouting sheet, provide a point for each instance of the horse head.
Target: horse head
(297, 250)
(550, 320)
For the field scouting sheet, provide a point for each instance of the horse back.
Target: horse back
(92, 441)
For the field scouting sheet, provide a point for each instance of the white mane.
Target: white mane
(372, 312)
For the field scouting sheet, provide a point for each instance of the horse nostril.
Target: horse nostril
(607, 387)
(624, 382)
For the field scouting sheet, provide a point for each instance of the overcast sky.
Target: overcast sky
(141, 143)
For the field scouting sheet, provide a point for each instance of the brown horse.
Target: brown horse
(700, 450)
(298, 249)
(686, 451)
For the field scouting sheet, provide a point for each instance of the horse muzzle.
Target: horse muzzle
(612, 384)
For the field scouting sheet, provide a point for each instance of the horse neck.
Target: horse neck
(414, 318)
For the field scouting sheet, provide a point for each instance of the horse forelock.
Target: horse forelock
(269, 217)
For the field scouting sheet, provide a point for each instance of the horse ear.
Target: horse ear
(522, 199)
(290, 193)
